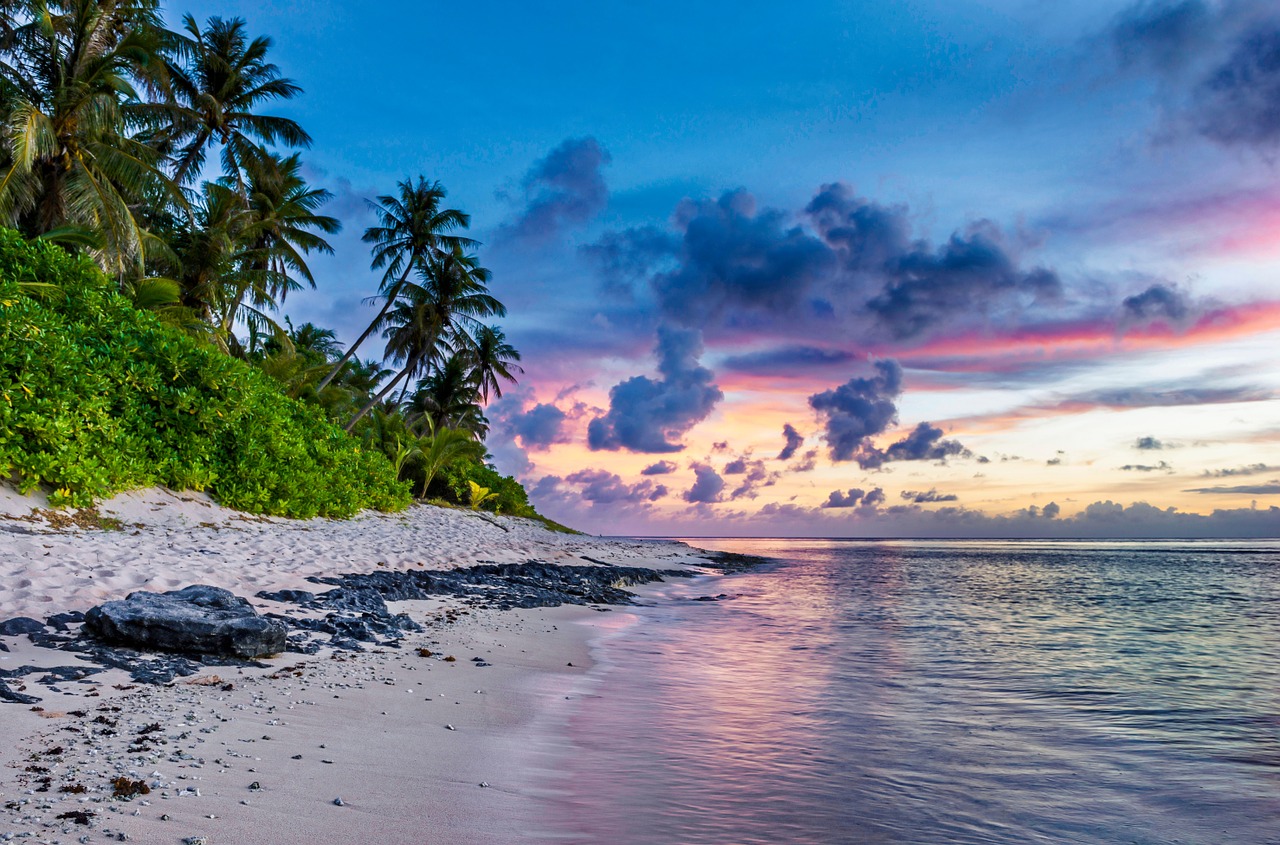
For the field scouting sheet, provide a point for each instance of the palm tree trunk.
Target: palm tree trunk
(386, 306)
(382, 394)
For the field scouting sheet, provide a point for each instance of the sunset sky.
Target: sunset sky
(932, 268)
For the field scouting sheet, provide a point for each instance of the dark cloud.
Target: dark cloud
(844, 260)
(1148, 443)
(971, 274)
(650, 415)
(755, 475)
(599, 486)
(1239, 102)
(1159, 302)
(1160, 467)
(859, 409)
(1165, 35)
(794, 440)
(788, 361)
(1053, 462)
(735, 256)
(539, 427)
(627, 258)
(808, 461)
(920, 497)
(924, 443)
(1270, 489)
(708, 486)
(660, 468)
(1051, 510)
(845, 499)
(1251, 469)
(565, 188)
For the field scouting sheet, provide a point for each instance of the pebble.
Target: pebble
(338, 802)
(484, 783)
(450, 728)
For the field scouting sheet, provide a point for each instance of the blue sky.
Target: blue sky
(1061, 221)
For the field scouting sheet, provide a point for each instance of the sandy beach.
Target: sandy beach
(448, 737)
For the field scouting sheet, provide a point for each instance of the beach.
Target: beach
(445, 734)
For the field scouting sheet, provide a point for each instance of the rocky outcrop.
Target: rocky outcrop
(198, 619)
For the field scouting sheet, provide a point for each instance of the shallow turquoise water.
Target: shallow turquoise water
(965, 692)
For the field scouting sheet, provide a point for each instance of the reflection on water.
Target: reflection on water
(914, 692)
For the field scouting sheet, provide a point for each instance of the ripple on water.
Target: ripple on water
(957, 693)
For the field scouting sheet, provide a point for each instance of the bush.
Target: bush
(453, 484)
(97, 397)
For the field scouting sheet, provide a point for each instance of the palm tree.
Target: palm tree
(447, 398)
(413, 228)
(69, 77)
(431, 320)
(220, 78)
(492, 359)
(241, 254)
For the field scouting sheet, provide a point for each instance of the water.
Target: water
(922, 692)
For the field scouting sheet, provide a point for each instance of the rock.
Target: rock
(199, 619)
(20, 625)
(338, 802)
(60, 621)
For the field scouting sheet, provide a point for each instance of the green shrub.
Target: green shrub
(97, 397)
(453, 484)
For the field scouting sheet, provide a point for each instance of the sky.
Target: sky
(943, 269)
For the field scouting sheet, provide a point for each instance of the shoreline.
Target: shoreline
(409, 739)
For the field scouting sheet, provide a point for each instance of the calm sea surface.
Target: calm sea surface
(960, 692)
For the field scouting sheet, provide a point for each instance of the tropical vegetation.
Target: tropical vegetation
(158, 216)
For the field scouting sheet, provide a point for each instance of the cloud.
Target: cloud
(788, 360)
(602, 487)
(924, 496)
(1239, 102)
(1160, 467)
(1252, 469)
(539, 427)
(651, 415)
(842, 261)
(1159, 302)
(972, 275)
(855, 497)
(563, 189)
(708, 486)
(808, 461)
(735, 256)
(1164, 35)
(1148, 443)
(794, 440)
(660, 468)
(924, 443)
(1272, 488)
(755, 475)
(859, 409)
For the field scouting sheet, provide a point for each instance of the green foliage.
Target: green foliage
(98, 397)
(505, 495)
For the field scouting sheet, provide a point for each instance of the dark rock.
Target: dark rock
(60, 621)
(198, 619)
(20, 625)
(291, 596)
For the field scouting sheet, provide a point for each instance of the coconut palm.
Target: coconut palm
(412, 228)
(448, 398)
(493, 360)
(220, 79)
(430, 321)
(70, 74)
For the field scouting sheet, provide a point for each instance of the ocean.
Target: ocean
(939, 692)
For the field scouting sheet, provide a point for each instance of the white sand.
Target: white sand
(402, 775)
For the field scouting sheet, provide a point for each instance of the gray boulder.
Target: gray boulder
(199, 618)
